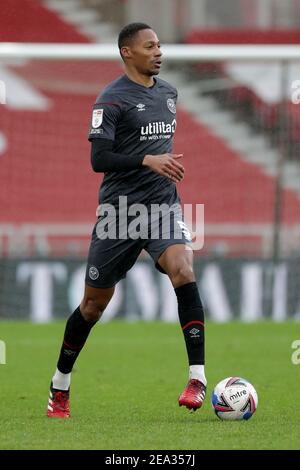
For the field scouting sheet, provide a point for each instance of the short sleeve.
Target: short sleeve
(105, 117)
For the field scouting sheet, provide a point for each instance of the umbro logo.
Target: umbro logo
(141, 107)
(194, 332)
(69, 352)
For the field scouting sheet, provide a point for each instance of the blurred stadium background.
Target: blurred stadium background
(239, 130)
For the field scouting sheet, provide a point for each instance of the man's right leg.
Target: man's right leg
(77, 330)
(108, 261)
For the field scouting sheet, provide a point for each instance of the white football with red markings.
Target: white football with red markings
(234, 398)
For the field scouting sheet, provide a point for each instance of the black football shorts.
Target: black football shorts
(116, 244)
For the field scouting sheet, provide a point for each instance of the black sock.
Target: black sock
(76, 333)
(191, 318)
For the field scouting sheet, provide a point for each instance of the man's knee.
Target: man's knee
(181, 274)
(92, 309)
(94, 302)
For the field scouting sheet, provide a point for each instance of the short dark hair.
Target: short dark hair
(129, 31)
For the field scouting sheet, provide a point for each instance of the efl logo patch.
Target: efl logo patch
(97, 118)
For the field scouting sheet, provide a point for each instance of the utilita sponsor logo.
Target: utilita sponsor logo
(159, 127)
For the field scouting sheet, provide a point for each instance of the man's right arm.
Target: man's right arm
(166, 165)
(105, 118)
(103, 160)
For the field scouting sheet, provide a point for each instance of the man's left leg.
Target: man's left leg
(177, 262)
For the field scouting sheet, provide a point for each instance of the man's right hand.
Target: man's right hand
(166, 164)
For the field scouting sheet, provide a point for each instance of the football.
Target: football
(234, 398)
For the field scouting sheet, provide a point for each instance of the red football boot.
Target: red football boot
(58, 403)
(193, 395)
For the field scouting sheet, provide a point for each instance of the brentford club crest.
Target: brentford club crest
(93, 273)
(97, 118)
(171, 105)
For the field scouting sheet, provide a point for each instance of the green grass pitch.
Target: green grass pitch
(127, 380)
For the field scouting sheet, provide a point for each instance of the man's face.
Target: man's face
(144, 52)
